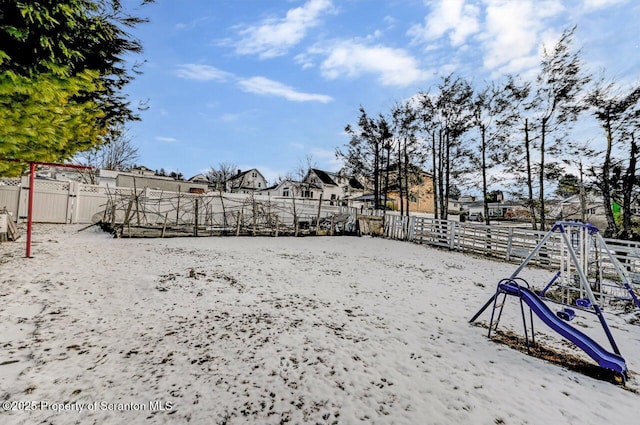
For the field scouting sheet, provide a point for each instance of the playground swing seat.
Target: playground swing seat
(567, 314)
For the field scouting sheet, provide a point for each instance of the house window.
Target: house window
(333, 196)
(285, 192)
(259, 184)
(253, 175)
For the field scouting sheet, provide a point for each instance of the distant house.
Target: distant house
(203, 179)
(110, 177)
(570, 209)
(289, 188)
(142, 171)
(497, 210)
(421, 197)
(249, 181)
(199, 178)
(339, 188)
(159, 183)
(59, 173)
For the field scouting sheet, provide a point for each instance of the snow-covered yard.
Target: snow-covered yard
(278, 330)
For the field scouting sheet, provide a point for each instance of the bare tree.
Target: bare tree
(117, 152)
(219, 176)
(300, 174)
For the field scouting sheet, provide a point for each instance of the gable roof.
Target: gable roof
(355, 184)
(199, 177)
(239, 175)
(324, 176)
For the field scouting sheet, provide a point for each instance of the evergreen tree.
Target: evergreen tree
(62, 71)
(559, 85)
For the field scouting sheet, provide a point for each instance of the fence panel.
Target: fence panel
(50, 201)
(507, 243)
(91, 200)
(10, 195)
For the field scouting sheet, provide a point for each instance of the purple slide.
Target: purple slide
(604, 358)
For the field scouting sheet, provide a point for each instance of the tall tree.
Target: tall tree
(365, 151)
(410, 156)
(629, 185)
(557, 101)
(618, 116)
(62, 70)
(495, 113)
(428, 123)
(453, 119)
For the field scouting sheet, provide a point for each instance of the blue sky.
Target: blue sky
(264, 84)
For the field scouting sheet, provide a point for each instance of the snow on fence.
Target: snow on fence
(504, 242)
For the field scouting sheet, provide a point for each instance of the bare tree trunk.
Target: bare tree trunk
(386, 181)
(612, 227)
(435, 173)
(627, 190)
(441, 177)
(543, 131)
(483, 150)
(527, 145)
(583, 196)
(447, 184)
(406, 176)
(399, 178)
(376, 176)
(295, 215)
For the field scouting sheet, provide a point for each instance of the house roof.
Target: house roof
(199, 177)
(355, 184)
(324, 176)
(244, 173)
(239, 175)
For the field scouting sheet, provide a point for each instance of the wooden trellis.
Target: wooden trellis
(147, 213)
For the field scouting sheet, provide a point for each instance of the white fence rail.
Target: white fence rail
(503, 242)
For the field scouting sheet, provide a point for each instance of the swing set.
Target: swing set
(579, 285)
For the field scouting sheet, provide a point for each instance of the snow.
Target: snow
(280, 330)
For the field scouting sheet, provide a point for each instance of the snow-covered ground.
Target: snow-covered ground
(278, 330)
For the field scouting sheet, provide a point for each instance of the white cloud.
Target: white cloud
(274, 37)
(304, 60)
(192, 71)
(327, 159)
(394, 67)
(166, 139)
(229, 117)
(599, 4)
(265, 86)
(455, 17)
(514, 33)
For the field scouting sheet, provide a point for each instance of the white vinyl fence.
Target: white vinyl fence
(73, 202)
(55, 201)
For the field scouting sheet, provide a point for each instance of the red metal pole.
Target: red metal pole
(32, 173)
